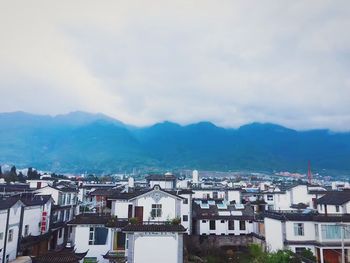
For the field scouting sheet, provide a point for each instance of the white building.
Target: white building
(167, 181)
(221, 218)
(64, 210)
(10, 218)
(320, 231)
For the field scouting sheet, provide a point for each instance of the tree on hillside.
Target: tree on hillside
(33, 174)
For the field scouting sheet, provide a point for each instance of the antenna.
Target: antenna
(309, 174)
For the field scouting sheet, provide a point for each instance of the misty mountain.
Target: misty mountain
(80, 141)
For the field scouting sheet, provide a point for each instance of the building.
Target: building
(11, 216)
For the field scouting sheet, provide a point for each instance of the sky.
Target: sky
(228, 62)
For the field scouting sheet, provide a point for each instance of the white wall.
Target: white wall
(120, 208)
(169, 207)
(234, 195)
(186, 209)
(3, 218)
(162, 184)
(14, 224)
(309, 231)
(160, 247)
(81, 242)
(221, 227)
(273, 234)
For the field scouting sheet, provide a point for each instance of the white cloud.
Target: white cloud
(230, 62)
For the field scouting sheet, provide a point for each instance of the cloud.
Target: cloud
(230, 62)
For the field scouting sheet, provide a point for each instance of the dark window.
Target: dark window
(222, 221)
(185, 218)
(212, 225)
(185, 201)
(337, 208)
(204, 221)
(241, 225)
(60, 233)
(231, 225)
(215, 195)
(299, 250)
(98, 235)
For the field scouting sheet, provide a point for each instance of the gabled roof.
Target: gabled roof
(95, 219)
(104, 192)
(335, 198)
(160, 177)
(153, 228)
(61, 188)
(62, 256)
(158, 188)
(8, 202)
(34, 200)
(139, 193)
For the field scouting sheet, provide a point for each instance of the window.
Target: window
(69, 199)
(60, 233)
(1, 235)
(231, 225)
(204, 221)
(269, 197)
(185, 218)
(298, 229)
(156, 210)
(222, 221)
(26, 230)
(67, 214)
(215, 195)
(10, 235)
(241, 225)
(98, 235)
(337, 208)
(7, 258)
(300, 250)
(212, 225)
(185, 201)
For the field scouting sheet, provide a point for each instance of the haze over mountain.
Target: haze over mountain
(79, 141)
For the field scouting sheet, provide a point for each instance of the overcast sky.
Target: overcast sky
(229, 62)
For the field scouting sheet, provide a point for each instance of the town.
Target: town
(165, 218)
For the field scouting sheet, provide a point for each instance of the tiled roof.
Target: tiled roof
(104, 192)
(310, 217)
(335, 198)
(8, 202)
(5, 188)
(213, 212)
(64, 256)
(160, 177)
(95, 219)
(153, 228)
(33, 200)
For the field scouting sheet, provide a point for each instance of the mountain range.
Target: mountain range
(79, 142)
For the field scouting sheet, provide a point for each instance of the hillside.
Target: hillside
(79, 142)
